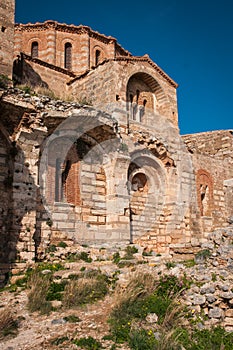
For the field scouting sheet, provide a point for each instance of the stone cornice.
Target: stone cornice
(145, 58)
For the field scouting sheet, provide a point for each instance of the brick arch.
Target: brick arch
(204, 183)
(102, 55)
(31, 41)
(62, 183)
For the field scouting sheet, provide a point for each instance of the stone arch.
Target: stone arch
(30, 46)
(147, 188)
(204, 184)
(143, 94)
(98, 55)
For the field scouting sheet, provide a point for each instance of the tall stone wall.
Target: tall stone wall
(7, 13)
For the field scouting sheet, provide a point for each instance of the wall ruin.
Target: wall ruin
(108, 166)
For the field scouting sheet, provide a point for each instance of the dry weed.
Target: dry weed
(39, 286)
(8, 323)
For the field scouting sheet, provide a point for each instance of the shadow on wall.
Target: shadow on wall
(17, 191)
(23, 73)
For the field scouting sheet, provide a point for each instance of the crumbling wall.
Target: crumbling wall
(212, 154)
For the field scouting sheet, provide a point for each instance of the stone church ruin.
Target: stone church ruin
(96, 154)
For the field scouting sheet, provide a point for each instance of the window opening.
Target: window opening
(97, 57)
(34, 49)
(68, 56)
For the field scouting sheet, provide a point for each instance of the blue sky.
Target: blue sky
(191, 40)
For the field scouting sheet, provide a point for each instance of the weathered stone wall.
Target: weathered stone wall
(35, 73)
(115, 172)
(6, 180)
(108, 83)
(212, 154)
(7, 14)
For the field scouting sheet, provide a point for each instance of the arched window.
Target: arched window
(68, 56)
(34, 49)
(97, 57)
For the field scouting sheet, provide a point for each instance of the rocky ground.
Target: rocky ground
(209, 298)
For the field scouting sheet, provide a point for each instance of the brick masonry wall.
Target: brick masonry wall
(7, 12)
(52, 37)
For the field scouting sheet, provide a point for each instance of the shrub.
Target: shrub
(4, 81)
(170, 286)
(202, 255)
(85, 257)
(130, 305)
(49, 266)
(129, 252)
(62, 244)
(170, 264)
(8, 323)
(40, 90)
(144, 295)
(189, 263)
(60, 340)
(55, 291)
(51, 249)
(72, 257)
(147, 253)
(207, 339)
(72, 318)
(116, 257)
(26, 88)
(142, 340)
(125, 263)
(88, 343)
